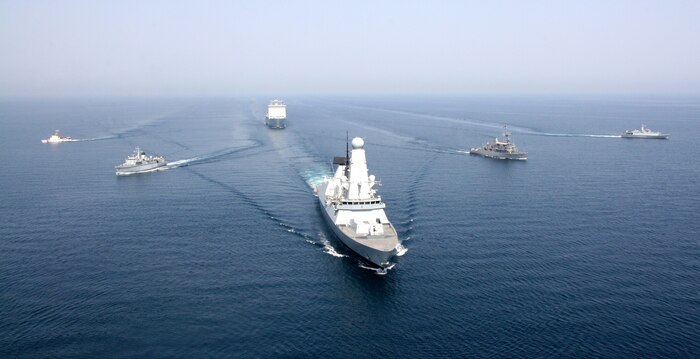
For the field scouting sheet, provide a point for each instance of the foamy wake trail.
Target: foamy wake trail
(328, 248)
(209, 157)
(385, 132)
(400, 250)
(323, 243)
(414, 143)
(569, 134)
(314, 176)
(517, 129)
(185, 162)
(461, 121)
(96, 138)
(378, 271)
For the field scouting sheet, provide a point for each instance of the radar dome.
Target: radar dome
(372, 178)
(357, 143)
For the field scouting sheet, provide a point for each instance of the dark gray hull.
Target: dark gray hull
(275, 123)
(370, 255)
(123, 171)
(651, 137)
(519, 156)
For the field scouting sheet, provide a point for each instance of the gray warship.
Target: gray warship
(276, 114)
(501, 150)
(139, 162)
(644, 133)
(354, 210)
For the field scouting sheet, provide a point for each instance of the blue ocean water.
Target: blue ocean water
(589, 248)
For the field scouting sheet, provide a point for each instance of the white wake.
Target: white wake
(378, 271)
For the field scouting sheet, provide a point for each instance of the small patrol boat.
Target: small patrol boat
(644, 133)
(57, 138)
(138, 162)
(501, 150)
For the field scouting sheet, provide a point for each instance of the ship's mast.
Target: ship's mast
(347, 155)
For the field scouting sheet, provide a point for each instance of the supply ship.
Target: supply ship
(276, 114)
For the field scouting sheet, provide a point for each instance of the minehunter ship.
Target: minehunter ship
(139, 162)
(644, 133)
(276, 114)
(501, 150)
(57, 138)
(354, 210)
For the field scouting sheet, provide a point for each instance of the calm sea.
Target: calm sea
(589, 248)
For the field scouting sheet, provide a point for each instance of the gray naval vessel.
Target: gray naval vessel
(501, 150)
(354, 210)
(139, 162)
(276, 114)
(644, 133)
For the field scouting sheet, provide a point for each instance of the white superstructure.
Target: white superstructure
(355, 211)
(57, 138)
(276, 114)
(276, 110)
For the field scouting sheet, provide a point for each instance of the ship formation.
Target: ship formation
(348, 200)
(139, 162)
(276, 115)
(354, 210)
(644, 133)
(501, 150)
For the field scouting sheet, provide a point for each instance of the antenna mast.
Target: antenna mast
(347, 154)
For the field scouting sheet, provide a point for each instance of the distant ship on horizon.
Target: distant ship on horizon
(644, 132)
(57, 138)
(276, 115)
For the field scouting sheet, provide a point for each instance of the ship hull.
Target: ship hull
(125, 171)
(499, 155)
(653, 137)
(57, 141)
(275, 123)
(370, 255)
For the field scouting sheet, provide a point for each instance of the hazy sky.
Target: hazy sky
(76, 48)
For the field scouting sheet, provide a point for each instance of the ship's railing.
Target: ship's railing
(358, 205)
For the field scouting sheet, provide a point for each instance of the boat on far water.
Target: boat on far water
(644, 133)
(500, 150)
(276, 114)
(57, 138)
(139, 162)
